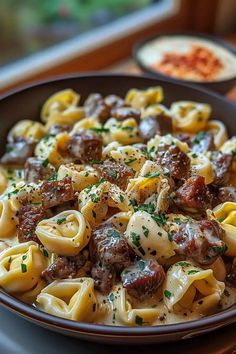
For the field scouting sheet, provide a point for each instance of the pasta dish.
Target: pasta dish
(119, 211)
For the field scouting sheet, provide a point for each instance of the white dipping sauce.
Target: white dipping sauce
(154, 52)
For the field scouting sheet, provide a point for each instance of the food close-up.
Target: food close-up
(120, 210)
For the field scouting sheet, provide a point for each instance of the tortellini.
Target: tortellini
(126, 314)
(146, 183)
(82, 176)
(8, 218)
(155, 109)
(192, 288)
(3, 181)
(190, 117)
(144, 98)
(201, 165)
(147, 238)
(131, 156)
(53, 149)
(218, 129)
(86, 123)
(97, 202)
(27, 129)
(72, 299)
(21, 267)
(226, 214)
(59, 102)
(66, 233)
(125, 132)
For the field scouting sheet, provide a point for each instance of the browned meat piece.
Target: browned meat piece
(159, 124)
(29, 216)
(58, 128)
(122, 113)
(57, 192)
(174, 161)
(200, 240)
(148, 128)
(202, 142)
(85, 147)
(222, 166)
(64, 267)
(143, 278)
(38, 170)
(18, 151)
(116, 173)
(111, 254)
(185, 138)
(226, 194)
(104, 278)
(97, 107)
(231, 276)
(194, 195)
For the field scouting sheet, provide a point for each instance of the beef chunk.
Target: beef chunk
(57, 192)
(175, 161)
(226, 194)
(37, 170)
(194, 195)
(29, 216)
(222, 166)
(143, 278)
(150, 126)
(231, 276)
(200, 240)
(59, 128)
(64, 267)
(104, 278)
(111, 254)
(85, 147)
(202, 142)
(96, 106)
(122, 113)
(18, 151)
(116, 173)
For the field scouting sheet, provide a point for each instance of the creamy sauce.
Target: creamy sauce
(153, 52)
(165, 316)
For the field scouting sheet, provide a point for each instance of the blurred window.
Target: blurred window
(28, 26)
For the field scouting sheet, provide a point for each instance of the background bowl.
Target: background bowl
(221, 86)
(25, 104)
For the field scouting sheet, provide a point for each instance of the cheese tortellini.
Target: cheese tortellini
(191, 288)
(66, 233)
(21, 267)
(144, 98)
(190, 117)
(72, 299)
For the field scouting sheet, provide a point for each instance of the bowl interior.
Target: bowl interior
(26, 104)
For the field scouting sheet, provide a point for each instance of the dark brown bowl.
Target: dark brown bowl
(221, 86)
(25, 103)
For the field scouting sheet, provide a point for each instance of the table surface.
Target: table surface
(18, 336)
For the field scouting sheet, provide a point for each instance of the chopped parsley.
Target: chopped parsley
(199, 137)
(141, 265)
(112, 173)
(138, 320)
(194, 155)
(100, 130)
(121, 197)
(193, 271)
(95, 198)
(24, 257)
(152, 175)
(96, 162)
(9, 148)
(220, 249)
(53, 177)
(129, 162)
(167, 294)
(183, 264)
(23, 268)
(45, 162)
(61, 220)
(221, 219)
(150, 151)
(45, 252)
(170, 236)
(111, 297)
(12, 193)
(159, 218)
(136, 241)
(113, 233)
(145, 231)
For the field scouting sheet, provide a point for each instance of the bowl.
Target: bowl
(221, 86)
(25, 103)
